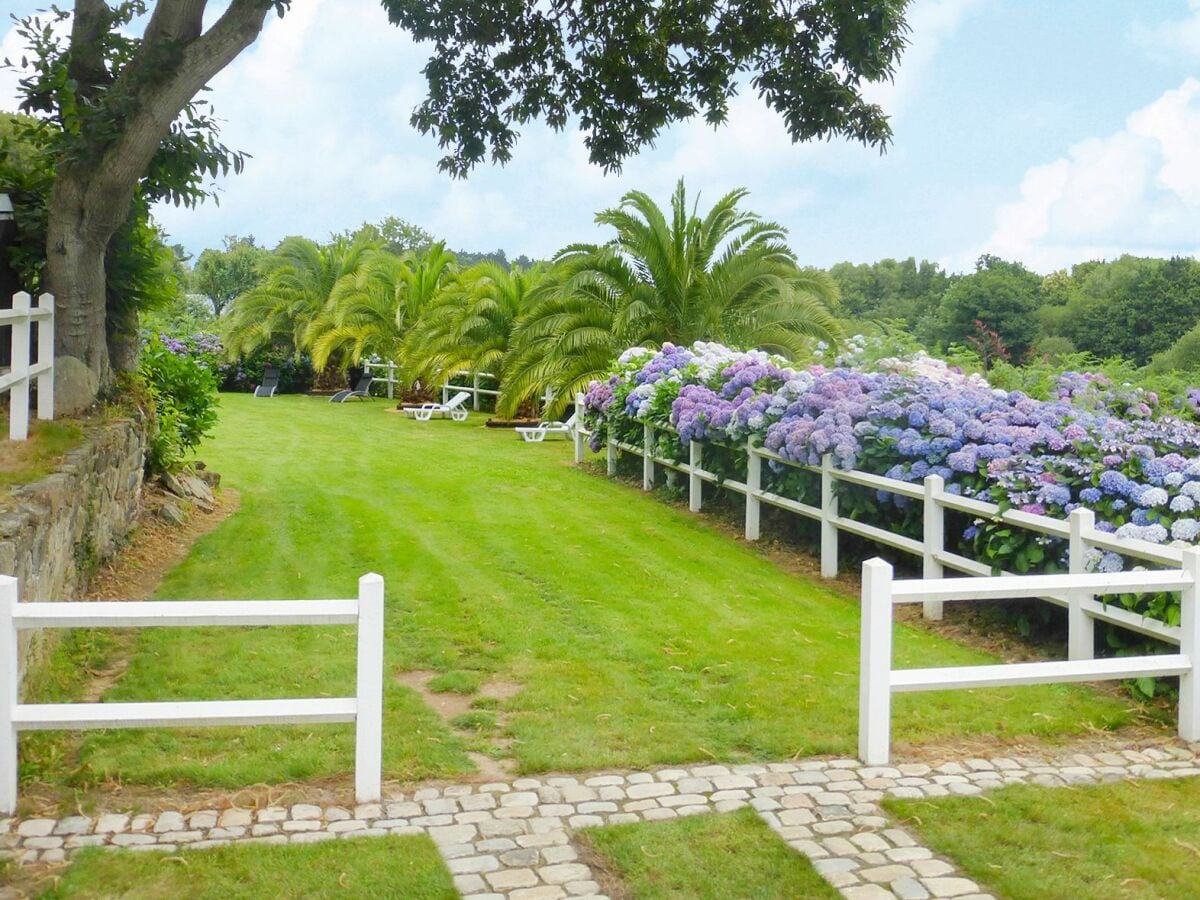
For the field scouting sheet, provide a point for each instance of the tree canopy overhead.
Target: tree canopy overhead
(628, 69)
(123, 125)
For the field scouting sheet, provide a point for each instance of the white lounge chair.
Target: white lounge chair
(455, 409)
(537, 434)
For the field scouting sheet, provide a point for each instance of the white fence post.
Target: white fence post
(935, 540)
(368, 717)
(829, 513)
(45, 380)
(1081, 627)
(753, 486)
(647, 458)
(9, 675)
(695, 483)
(1189, 646)
(18, 395)
(875, 669)
(577, 431)
(475, 391)
(612, 452)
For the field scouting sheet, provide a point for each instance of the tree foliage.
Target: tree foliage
(372, 309)
(674, 276)
(225, 274)
(627, 70)
(1132, 307)
(1001, 296)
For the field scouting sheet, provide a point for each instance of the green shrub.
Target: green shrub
(183, 394)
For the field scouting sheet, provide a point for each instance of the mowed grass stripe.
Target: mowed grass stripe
(644, 635)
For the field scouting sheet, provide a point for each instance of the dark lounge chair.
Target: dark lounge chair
(270, 383)
(361, 390)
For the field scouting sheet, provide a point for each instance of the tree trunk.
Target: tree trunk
(75, 249)
(91, 198)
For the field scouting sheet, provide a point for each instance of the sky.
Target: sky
(1051, 133)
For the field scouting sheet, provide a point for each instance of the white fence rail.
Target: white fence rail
(452, 386)
(22, 374)
(1079, 530)
(878, 680)
(389, 376)
(365, 709)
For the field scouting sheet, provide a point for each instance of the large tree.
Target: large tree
(224, 275)
(130, 126)
(673, 275)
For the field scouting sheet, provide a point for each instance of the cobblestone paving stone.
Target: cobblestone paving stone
(512, 840)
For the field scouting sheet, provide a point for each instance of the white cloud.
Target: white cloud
(1135, 191)
(1179, 35)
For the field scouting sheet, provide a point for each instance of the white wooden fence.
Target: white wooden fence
(452, 386)
(1079, 530)
(22, 374)
(389, 375)
(878, 680)
(365, 709)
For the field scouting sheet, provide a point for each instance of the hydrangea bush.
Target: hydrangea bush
(245, 373)
(1093, 444)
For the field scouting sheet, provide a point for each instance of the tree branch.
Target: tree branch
(86, 65)
(162, 98)
(175, 20)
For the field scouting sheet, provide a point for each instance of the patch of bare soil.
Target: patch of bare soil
(450, 706)
(156, 547)
(606, 875)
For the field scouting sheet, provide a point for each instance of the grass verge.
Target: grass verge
(1132, 840)
(709, 857)
(26, 461)
(407, 867)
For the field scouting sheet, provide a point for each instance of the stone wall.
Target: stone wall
(54, 532)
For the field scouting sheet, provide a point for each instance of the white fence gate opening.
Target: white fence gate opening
(22, 374)
(365, 709)
(878, 680)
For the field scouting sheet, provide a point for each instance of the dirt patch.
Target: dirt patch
(452, 705)
(500, 689)
(448, 706)
(605, 874)
(156, 547)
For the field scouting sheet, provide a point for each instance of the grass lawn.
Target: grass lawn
(642, 634)
(710, 857)
(393, 867)
(29, 460)
(1132, 839)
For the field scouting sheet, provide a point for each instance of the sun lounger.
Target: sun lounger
(456, 409)
(362, 390)
(538, 433)
(270, 383)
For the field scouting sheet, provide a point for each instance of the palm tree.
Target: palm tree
(470, 325)
(728, 276)
(371, 309)
(297, 280)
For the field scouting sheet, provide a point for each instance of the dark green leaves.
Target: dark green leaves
(628, 69)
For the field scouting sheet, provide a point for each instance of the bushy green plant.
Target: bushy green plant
(242, 375)
(183, 393)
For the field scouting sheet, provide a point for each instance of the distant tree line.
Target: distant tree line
(1144, 310)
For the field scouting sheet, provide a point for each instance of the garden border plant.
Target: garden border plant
(1096, 445)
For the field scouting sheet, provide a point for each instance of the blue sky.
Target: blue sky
(1048, 132)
